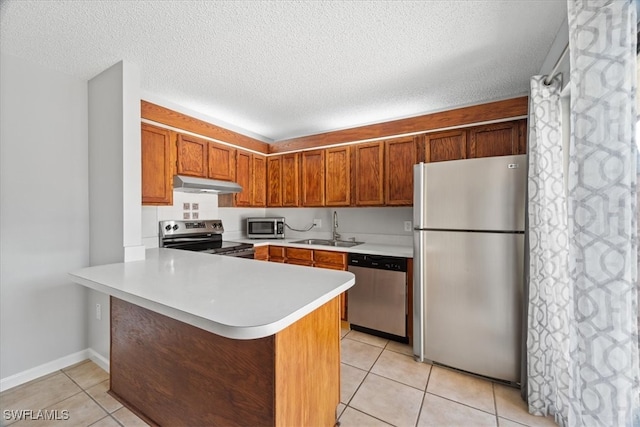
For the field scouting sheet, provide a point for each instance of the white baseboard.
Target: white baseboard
(98, 359)
(55, 365)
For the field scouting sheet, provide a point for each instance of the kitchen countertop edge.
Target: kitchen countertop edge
(208, 323)
(364, 248)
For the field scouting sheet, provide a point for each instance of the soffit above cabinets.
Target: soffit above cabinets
(277, 70)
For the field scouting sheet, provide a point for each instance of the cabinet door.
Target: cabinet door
(192, 156)
(261, 253)
(313, 178)
(338, 176)
(299, 256)
(243, 177)
(369, 174)
(259, 190)
(291, 179)
(500, 139)
(276, 253)
(400, 156)
(222, 162)
(442, 146)
(274, 181)
(157, 174)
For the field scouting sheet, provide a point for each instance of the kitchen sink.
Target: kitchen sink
(323, 242)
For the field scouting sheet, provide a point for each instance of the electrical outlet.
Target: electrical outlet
(186, 207)
(98, 312)
(186, 215)
(195, 206)
(407, 226)
(194, 215)
(317, 223)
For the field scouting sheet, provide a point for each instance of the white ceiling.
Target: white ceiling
(282, 69)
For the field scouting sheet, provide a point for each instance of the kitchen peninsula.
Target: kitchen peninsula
(200, 339)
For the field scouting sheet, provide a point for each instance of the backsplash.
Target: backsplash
(372, 225)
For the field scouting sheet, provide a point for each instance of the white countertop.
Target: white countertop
(233, 297)
(365, 248)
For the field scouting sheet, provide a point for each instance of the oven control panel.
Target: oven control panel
(179, 227)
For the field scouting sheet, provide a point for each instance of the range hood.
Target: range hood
(190, 184)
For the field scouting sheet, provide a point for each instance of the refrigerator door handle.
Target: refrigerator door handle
(419, 210)
(418, 294)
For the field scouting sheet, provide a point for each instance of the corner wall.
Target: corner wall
(44, 217)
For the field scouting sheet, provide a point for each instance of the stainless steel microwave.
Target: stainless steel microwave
(265, 228)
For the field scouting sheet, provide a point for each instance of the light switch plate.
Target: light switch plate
(407, 226)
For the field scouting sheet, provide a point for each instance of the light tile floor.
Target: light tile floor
(381, 385)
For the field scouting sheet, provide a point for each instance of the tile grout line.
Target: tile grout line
(495, 403)
(424, 395)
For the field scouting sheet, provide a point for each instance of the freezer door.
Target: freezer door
(472, 194)
(472, 300)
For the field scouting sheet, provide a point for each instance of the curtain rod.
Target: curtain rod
(552, 74)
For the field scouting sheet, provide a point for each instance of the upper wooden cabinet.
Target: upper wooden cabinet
(313, 177)
(192, 156)
(448, 145)
(500, 139)
(400, 156)
(291, 180)
(244, 177)
(259, 185)
(338, 176)
(222, 162)
(369, 185)
(157, 171)
(274, 181)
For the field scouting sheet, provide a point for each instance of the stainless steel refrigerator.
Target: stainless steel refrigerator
(468, 264)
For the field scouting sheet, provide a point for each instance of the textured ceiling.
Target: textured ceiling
(281, 69)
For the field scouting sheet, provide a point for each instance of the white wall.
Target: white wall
(44, 215)
(114, 182)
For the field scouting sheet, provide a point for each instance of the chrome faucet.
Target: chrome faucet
(336, 236)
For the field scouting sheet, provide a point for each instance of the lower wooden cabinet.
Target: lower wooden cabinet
(310, 258)
(261, 253)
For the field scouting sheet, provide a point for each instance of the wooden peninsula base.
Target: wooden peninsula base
(174, 374)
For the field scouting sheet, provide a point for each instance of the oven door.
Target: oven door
(261, 229)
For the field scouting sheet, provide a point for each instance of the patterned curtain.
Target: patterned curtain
(582, 337)
(550, 295)
(602, 212)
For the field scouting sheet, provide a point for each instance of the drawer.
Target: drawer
(330, 266)
(330, 257)
(299, 254)
(307, 263)
(276, 252)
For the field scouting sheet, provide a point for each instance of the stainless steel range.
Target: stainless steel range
(201, 236)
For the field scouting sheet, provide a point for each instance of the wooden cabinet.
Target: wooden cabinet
(259, 184)
(299, 256)
(291, 180)
(157, 171)
(448, 145)
(335, 261)
(274, 181)
(338, 176)
(283, 180)
(500, 139)
(244, 177)
(369, 185)
(276, 253)
(313, 177)
(192, 156)
(399, 158)
(222, 162)
(261, 253)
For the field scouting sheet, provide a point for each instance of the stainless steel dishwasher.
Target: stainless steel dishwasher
(377, 303)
